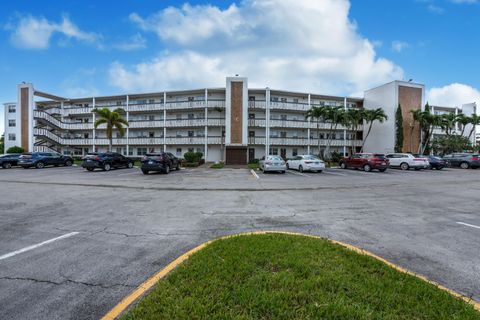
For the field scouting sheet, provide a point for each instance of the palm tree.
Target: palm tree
(353, 118)
(112, 119)
(334, 115)
(474, 121)
(417, 117)
(463, 120)
(318, 113)
(370, 116)
(429, 121)
(448, 122)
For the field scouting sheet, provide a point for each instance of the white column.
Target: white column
(164, 121)
(344, 130)
(267, 121)
(308, 130)
(93, 138)
(206, 125)
(127, 147)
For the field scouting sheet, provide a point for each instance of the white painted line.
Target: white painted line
(469, 225)
(335, 173)
(254, 174)
(14, 253)
(298, 173)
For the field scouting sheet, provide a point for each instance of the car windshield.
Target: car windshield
(379, 155)
(311, 158)
(275, 158)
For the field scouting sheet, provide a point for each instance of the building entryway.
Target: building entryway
(236, 155)
(251, 154)
(283, 153)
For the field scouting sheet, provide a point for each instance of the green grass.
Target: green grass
(78, 161)
(219, 165)
(253, 166)
(276, 276)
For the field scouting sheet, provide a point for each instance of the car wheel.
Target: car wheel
(40, 165)
(145, 171)
(343, 165)
(283, 171)
(464, 165)
(404, 166)
(90, 169)
(300, 168)
(167, 169)
(382, 170)
(130, 165)
(68, 163)
(367, 168)
(107, 167)
(7, 165)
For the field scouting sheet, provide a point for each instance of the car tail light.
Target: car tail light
(268, 162)
(98, 158)
(474, 158)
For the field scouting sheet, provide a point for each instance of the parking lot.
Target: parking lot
(110, 231)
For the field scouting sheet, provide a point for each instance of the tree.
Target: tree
(399, 130)
(2, 144)
(448, 121)
(334, 115)
(450, 144)
(112, 119)
(474, 121)
(318, 113)
(463, 120)
(417, 117)
(15, 149)
(353, 118)
(370, 116)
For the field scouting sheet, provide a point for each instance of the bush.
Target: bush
(193, 156)
(254, 161)
(335, 157)
(451, 144)
(217, 165)
(15, 149)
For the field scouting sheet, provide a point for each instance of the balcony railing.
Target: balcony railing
(301, 141)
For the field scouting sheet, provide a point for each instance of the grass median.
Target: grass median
(279, 276)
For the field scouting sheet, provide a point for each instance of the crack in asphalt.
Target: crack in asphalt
(67, 281)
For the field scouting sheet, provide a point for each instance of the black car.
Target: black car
(435, 162)
(9, 160)
(40, 160)
(463, 160)
(162, 161)
(106, 161)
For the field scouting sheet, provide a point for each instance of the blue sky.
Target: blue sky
(83, 48)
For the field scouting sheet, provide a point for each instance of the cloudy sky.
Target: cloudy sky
(84, 48)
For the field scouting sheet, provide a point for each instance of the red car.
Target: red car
(365, 161)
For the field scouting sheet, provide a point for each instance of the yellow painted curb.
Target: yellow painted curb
(150, 282)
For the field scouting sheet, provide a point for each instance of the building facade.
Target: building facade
(235, 124)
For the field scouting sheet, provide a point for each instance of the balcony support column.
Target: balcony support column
(164, 121)
(308, 130)
(127, 147)
(206, 125)
(267, 121)
(93, 137)
(345, 130)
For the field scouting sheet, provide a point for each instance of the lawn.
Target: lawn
(279, 276)
(253, 166)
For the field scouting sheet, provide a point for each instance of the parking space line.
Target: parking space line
(334, 173)
(469, 225)
(298, 173)
(254, 174)
(14, 253)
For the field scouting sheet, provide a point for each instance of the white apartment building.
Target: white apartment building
(466, 109)
(235, 123)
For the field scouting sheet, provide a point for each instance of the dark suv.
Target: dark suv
(365, 161)
(9, 160)
(463, 160)
(162, 161)
(40, 160)
(106, 161)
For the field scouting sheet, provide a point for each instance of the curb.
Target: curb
(150, 282)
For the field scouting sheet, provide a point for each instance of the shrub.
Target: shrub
(217, 165)
(193, 156)
(15, 149)
(253, 161)
(335, 157)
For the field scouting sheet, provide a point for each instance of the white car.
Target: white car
(272, 163)
(406, 161)
(306, 163)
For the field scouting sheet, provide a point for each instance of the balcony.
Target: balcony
(300, 141)
(289, 106)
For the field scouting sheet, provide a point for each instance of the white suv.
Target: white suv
(406, 161)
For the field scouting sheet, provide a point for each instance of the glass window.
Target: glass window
(294, 152)
(11, 137)
(191, 116)
(141, 151)
(179, 151)
(11, 109)
(191, 133)
(11, 123)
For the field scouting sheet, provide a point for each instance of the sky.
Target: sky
(339, 47)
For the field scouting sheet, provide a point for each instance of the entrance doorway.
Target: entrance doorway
(236, 155)
(251, 154)
(283, 153)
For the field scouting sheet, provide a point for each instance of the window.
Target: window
(295, 134)
(191, 133)
(251, 98)
(295, 100)
(283, 117)
(283, 99)
(141, 151)
(294, 152)
(11, 137)
(151, 100)
(130, 152)
(11, 109)
(151, 150)
(179, 117)
(85, 135)
(275, 151)
(11, 123)
(179, 152)
(191, 150)
(251, 116)
(151, 134)
(179, 134)
(275, 99)
(283, 134)
(190, 99)
(67, 152)
(191, 116)
(119, 103)
(119, 150)
(251, 133)
(151, 117)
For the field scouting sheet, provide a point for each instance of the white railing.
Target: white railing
(145, 107)
(134, 124)
(289, 106)
(301, 141)
(257, 104)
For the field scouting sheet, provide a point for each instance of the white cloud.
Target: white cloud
(286, 44)
(435, 9)
(399, 46)
(135, 42)
(35, 32)
(454, 94)
(464, 1)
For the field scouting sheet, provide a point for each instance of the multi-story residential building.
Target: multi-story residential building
(235, 123)
(466, 109)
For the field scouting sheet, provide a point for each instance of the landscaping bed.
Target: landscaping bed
(279, 276)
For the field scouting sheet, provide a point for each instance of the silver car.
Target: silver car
(272, 163)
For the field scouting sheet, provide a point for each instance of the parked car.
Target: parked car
(272, 163)
(406, 161)
(163, 161)
(463, 160)
(9, 160)
(106, 161)
(306, 163)
(365, 161)
(434, 162)
(40, 160)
